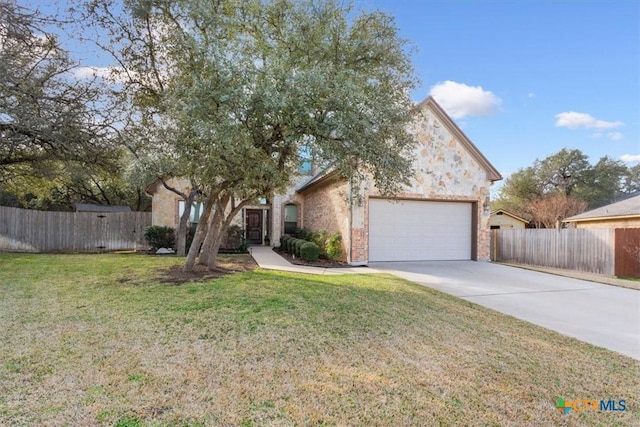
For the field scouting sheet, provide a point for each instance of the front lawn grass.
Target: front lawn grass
(109, 340)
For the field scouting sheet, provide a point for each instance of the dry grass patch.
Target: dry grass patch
(78, 346)
(227, 264)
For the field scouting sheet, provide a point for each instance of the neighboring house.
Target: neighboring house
(442, 215)
(502, 219)
(622, 214)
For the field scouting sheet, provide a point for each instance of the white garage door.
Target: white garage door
(411, 230)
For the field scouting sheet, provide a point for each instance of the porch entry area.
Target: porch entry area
(256, 225)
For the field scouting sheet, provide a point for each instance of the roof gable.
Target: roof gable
(516, 217)
(438, 111)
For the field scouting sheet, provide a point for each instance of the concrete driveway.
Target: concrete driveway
(604, 315)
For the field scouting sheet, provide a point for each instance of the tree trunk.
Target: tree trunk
(182, 225)
(201, 231)
(214, 229)
(184, 219)
(212, 255)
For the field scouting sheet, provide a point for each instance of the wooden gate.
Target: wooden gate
(627, 252)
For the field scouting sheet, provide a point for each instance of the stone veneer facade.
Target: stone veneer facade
(446, 169)
(164, 203)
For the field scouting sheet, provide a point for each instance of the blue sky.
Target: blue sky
(524, 79)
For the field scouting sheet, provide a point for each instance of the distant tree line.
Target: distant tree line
(59, 140)
(565, 184)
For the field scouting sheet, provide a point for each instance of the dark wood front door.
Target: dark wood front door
(254, 226)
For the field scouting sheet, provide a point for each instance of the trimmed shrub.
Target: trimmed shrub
(298, 244)
(158, 236)
(309, 251)
(283, 242)
(290, 243)
(333, 246)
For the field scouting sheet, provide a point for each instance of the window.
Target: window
(290, 218)
(304, 157)
(194, 215)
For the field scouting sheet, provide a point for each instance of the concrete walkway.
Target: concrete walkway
(266, 258)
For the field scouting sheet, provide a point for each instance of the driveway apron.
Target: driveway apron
(603, 315)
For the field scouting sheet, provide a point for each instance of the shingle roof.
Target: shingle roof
(627, 207)
(323, 173)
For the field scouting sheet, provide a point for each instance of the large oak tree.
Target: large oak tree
(229, 91)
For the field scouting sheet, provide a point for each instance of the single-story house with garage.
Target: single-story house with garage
(501, 219)
(442, 215)
(622, 214)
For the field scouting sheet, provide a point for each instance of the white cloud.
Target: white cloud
(630, 158)
(460, 100)
(531, 95)
(107, 73)
(615, 136)
(573, 120)
(90, 72)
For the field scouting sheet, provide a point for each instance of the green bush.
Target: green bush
(292, 245)
(309, 251)
(303, 233)
(320, 239)
(283, 242)
(235, 237)
(298, 245)
(333, 247)
(158, 236)
(291, 248)
(289, 244)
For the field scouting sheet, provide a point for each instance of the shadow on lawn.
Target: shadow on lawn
(226, 265)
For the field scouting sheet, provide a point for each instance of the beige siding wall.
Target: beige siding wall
(619, 223)
(505, 221)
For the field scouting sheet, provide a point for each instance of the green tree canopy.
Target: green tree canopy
(229, 91)
(57, 142)
(569, 174)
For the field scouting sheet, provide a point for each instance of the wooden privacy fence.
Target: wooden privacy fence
(589, 250)
(24, 230)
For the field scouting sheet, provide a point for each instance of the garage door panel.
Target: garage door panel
(419, 230)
